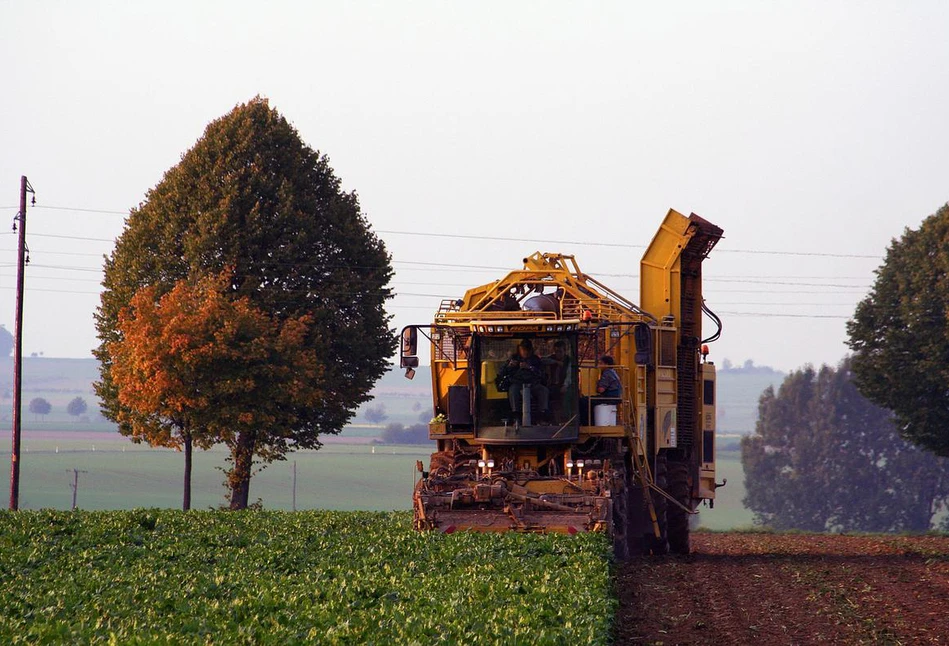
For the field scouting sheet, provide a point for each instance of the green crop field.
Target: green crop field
(147, 576)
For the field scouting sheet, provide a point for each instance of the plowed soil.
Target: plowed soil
(771, 589)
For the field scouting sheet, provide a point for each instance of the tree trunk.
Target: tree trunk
(239, 477)
(186, 499)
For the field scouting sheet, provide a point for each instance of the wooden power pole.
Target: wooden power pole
(18, 344)
(75, 485)
(294, 485)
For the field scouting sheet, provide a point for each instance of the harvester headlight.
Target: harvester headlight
(499, 328)
(560, 328)
(490, 464)
(480, 464)
(579, 464)
(490, 328)
(569, 464)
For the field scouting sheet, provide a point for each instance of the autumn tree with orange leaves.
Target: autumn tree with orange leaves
(198, 367)
(254, 207)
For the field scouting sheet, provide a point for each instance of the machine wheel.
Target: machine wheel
(621, 518)
(677, 519)
(659, 546)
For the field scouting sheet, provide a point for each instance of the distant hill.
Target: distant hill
(406, 401)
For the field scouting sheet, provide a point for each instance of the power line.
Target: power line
(53, 291)
(460, 236)
(63, 253)
(71, 208)
(771, 282)
(618, 245)
(62, 278)
(440, 296)
(784, 315)
(81, 210)
(756, 279)
(65, 237)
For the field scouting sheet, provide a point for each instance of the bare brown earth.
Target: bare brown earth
(771, 589)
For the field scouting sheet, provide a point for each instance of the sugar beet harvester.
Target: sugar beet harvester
(525, 442)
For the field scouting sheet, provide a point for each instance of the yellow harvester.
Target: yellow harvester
(527, 442)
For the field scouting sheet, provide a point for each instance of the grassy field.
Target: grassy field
(120, 475)
(729, 512)
(145, 577)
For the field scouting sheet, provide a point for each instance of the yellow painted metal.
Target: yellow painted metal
(647, 414)
(550, 486)
(489, 372)
(659, 267)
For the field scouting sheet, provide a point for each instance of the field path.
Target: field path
(789, 589)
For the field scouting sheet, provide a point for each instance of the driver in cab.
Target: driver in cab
(526, 368)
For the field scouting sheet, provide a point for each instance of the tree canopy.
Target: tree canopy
(900, 334)
(217, 368)
(823, 457)
(40, 406)
(77, 406)
(252, 202)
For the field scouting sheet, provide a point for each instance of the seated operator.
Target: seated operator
(609, 389)
(609, 384)
(526, 368)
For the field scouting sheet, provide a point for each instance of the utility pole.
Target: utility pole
(294, 485)
(75, 485)
(22, 259)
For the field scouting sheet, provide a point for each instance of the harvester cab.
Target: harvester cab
(562, 406)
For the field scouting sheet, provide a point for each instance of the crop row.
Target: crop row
(150, 576)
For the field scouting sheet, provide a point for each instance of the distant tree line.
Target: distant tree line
(747, 368)
(396, 433)
(41, 407)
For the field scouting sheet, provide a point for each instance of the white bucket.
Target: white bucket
(604, 415)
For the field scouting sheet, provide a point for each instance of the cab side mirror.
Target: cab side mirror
(409, 341)
(409, 352)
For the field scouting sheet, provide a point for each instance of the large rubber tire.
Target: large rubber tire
(621, 518)
(659, 546)
(677, 519)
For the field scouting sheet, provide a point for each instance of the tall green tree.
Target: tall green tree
(899, 334)
(251, 199)
(823, 457)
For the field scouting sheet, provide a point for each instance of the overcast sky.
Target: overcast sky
(813, 128)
